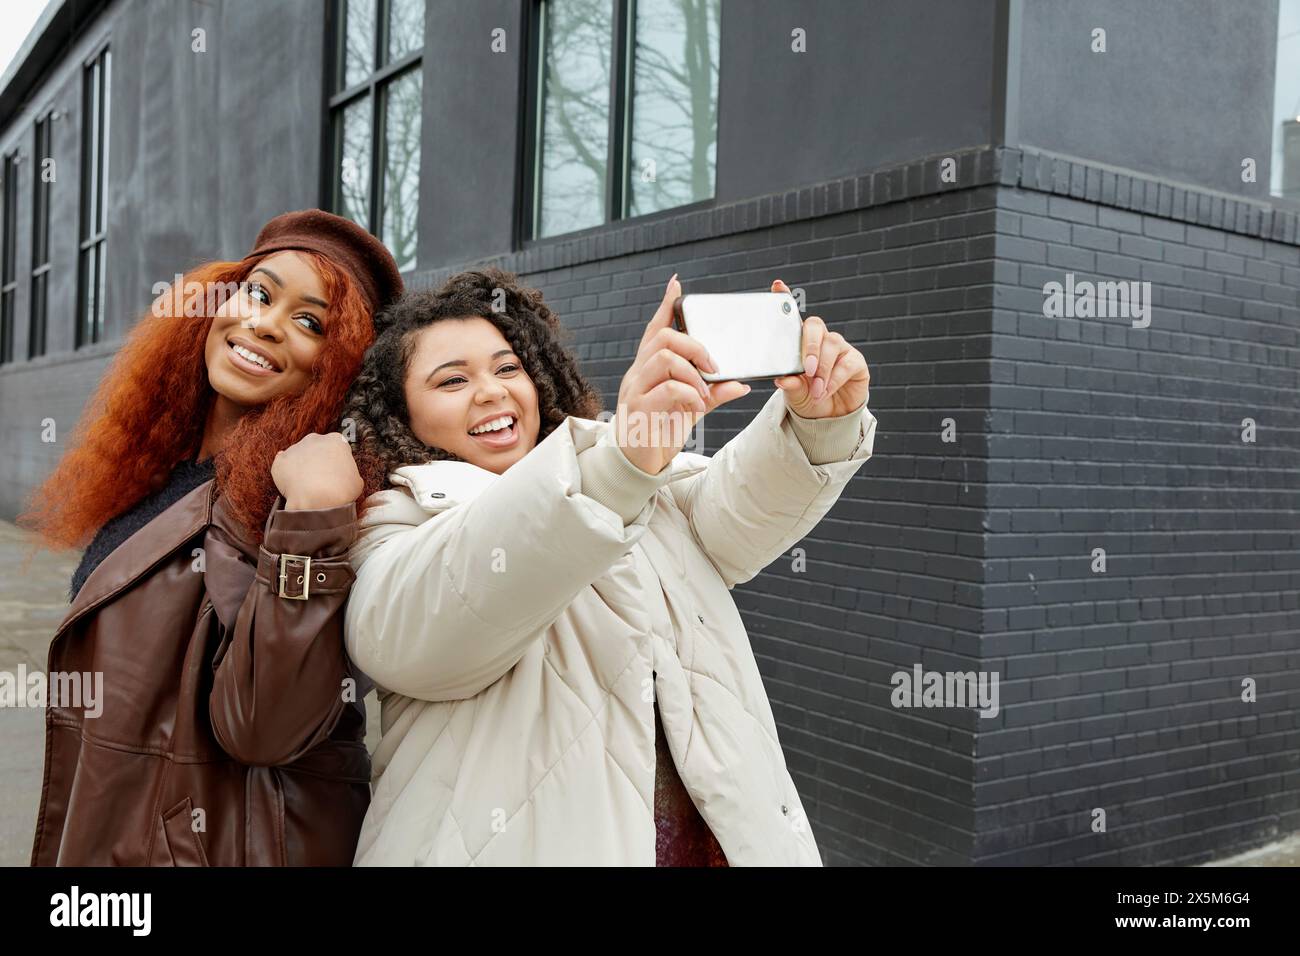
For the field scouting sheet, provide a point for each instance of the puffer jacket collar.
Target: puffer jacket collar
(439, 485)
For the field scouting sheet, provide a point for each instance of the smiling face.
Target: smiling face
(462, 377)
(263, 341)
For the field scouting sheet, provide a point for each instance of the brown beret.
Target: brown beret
(343, 242)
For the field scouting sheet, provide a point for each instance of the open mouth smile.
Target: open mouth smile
(496, 433)
(251, 360)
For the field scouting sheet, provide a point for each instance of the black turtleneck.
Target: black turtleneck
(185, 477)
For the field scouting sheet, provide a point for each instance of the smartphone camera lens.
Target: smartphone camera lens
(785, 307)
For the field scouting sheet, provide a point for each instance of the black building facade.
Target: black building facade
(1102, 510)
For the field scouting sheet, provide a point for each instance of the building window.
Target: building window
(1284, 177)
(8, 257)
(42, 177)
(375, 119)
(626, 114)
(91, 267)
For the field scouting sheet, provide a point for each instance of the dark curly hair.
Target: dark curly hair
(376, 403)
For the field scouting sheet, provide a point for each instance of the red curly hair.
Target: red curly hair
(150, 409)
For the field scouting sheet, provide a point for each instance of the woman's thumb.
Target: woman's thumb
(795, 388)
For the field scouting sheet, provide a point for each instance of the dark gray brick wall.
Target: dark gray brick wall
(1123, 689)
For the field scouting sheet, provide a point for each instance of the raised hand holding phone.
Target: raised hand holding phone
(662, 396)
(835, 380)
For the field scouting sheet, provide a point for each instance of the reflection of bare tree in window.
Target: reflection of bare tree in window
(402, 167)
(575, 115)
(358, 41)
(354, 163)
(405, 27)
(675, 102)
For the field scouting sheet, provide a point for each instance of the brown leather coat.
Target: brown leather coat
(218, 695)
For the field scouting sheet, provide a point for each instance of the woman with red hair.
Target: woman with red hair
(208, 713)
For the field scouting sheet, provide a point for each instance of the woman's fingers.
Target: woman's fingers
(681, 343)
(833, 345)
(795, 388)
(666, 364)
(847, 363)
(671, 395)
(719, 394)
(814, 331)
(663, 317)
(722, 392)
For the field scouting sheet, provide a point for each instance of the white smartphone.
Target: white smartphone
(748, 334)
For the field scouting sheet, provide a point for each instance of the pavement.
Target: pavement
(33, 600)
(1279, 853)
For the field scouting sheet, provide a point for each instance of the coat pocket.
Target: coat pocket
(178, 837)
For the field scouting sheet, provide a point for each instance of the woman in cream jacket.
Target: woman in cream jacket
(541, 596)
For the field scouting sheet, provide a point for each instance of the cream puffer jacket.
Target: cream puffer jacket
(519, 628)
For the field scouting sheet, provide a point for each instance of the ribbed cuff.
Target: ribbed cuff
(615, 482)
(828, 439)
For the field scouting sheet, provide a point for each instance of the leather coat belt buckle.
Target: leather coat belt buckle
(304, 578)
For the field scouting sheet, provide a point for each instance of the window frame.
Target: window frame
(88, 239)
(619, 144)
(9, 164)
(374, 87)
(42, 200)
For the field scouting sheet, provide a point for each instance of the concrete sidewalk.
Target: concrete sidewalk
(1280, 853)
(33, 600)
